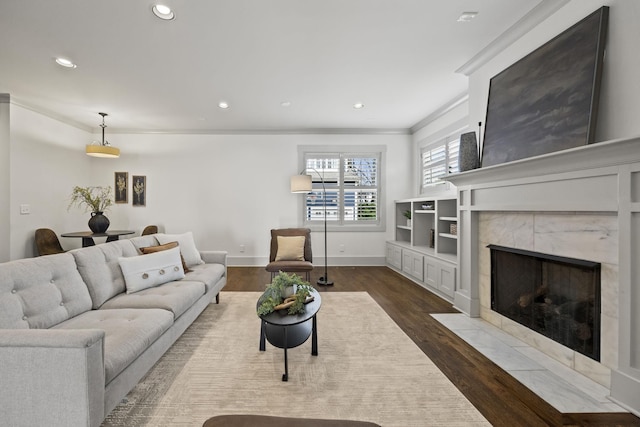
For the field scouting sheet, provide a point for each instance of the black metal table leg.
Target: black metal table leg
(262, 335)
(88, 241)
(289, 331)
(314, 337)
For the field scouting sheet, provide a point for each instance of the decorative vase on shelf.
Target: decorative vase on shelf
(408, 223)
(98, 222)
(468, 158)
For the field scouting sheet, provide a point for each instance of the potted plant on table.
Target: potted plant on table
(286, 291)
(95, 200)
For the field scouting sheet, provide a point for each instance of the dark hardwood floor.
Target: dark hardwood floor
(497, 395)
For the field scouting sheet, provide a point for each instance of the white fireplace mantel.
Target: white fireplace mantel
(598, 155)
(601, 177)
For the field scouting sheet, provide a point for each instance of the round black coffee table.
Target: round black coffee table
(285, 331)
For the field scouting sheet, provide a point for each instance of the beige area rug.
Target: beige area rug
(367, 369)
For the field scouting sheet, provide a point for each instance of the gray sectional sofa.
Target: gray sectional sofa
(73, 342)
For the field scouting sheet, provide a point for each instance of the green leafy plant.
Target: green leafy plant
(94, 199)
(407, 214)
(367, 211)
(275, 294)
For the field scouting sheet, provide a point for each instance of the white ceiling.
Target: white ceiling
(398, 57)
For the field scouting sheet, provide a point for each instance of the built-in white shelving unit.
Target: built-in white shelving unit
(425, 247)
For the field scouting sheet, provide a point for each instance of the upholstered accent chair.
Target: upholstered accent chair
(47, 242)
(290, 252)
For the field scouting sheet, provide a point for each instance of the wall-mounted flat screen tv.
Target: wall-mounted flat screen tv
(548, 100)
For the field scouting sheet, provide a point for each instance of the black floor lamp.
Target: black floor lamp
(303, 184)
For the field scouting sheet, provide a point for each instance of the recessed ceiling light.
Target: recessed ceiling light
(163, 12)
(467, 16)
(285, 104)
(223, 105)
(358, 105)
(65, 63)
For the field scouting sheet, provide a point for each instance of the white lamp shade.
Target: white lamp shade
(301, 184)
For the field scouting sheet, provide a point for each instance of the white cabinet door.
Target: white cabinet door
(413, 264)
(431, 272)
(447, 279)
(394, 256)
(440, 275)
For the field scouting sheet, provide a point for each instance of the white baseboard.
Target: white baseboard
(248, 261)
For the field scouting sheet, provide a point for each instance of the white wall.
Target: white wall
(5, 189)
(47, 161)
(230, 190)
(619, 107)
(620, 90)
(440, 127)
(619, 110)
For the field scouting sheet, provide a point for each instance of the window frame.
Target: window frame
(445, 142)
(342, 151)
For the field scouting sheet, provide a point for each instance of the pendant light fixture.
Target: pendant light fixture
(103, 149)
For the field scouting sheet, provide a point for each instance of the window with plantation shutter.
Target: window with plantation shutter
(439, 160)
(352, 184)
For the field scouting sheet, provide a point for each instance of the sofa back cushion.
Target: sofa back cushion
(41, 292)
(144, 241)
(98, 265)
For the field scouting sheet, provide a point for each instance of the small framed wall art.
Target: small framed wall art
(139, 194)
(121, 186)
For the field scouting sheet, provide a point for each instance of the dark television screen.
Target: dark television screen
(547, 101)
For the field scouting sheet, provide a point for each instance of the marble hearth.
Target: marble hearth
(580, 203)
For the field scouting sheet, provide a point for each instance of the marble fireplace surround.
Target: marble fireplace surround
(579, 203)
(592, 237)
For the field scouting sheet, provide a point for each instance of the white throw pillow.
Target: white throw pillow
(188, 248)
(146, 271)
(290, 248)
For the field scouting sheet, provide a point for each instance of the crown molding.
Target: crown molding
(295, 131)
(52, 115)
(460, 99)
(534, 17)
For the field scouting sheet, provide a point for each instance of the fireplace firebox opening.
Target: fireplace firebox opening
(558, 297)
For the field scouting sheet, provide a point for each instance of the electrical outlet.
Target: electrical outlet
(241, 248)
(341, 248)
(25, 209)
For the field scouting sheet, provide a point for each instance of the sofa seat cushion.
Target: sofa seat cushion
(128, 333)
(39, 293)
(209, 274)
(175, 297)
